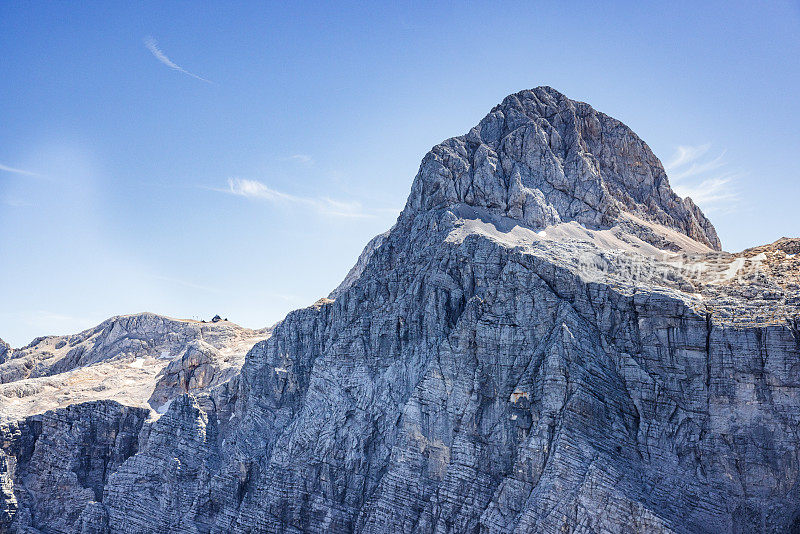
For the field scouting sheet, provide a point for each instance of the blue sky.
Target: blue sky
(192, 159)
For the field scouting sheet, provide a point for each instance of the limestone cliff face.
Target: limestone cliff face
(541, 158)
(546, 341)
(66, 455)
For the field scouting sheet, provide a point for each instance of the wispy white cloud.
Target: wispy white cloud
(685, 154)
(16, 203)
(691, 161)
(302, 158)
(711, 190)
(695, 173)
(322, 205)
(152, 45)
(15, 170)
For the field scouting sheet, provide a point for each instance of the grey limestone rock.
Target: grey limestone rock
(548, 340)
(542, 158)
(132, 359)
(5, 351)
(60, 462)
(138, 335)
(201, 366)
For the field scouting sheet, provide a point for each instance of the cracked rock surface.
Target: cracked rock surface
(134, 359)
(542, 343)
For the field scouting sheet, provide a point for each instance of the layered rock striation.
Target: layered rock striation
(548, 340)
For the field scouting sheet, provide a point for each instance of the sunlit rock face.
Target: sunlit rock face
(541, 159)
(548, 340)
(139, 360)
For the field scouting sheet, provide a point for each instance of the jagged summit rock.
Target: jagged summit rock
(545, 341)
(544, 159)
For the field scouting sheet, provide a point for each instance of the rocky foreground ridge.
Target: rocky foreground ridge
(548, 340)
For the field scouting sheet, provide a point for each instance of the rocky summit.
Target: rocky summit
(548, 340)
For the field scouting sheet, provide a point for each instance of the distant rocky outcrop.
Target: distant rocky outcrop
(125, 358)
(199, 367)
(138, 335)
(547, 340)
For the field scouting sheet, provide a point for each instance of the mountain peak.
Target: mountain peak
(543, 159)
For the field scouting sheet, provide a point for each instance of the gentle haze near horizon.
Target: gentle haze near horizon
(234, 158)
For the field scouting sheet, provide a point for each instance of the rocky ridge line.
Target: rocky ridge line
(529, 349)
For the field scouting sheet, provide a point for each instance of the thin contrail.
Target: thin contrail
(152, 45)
(6, 168)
